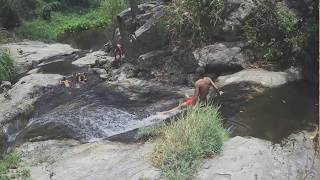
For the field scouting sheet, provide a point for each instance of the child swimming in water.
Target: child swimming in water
(65, 82)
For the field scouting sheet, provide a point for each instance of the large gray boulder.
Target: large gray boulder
(97, 57)
(221, 57)
(29, 54)
(252, 159)
(266, 78)
(174, 66)
(103, 160)
(142, 34)
(15, 110)
(152, 60)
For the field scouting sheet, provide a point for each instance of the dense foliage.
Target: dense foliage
(6, 67)
(193, 19)
(272, 31)
(58, 17)
(183, 143)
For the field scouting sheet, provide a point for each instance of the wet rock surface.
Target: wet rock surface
(18, 104)
(92, 111)
(24, 93)
(29, 54)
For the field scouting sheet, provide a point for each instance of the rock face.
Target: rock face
(152, 60)
(93, 161)
(221, 57)
(93, 58)
(142, 34)
(251, 159)
(19, 105)
(235, 13)
(30, 53)
(173, 67)
(24, 93)
(241, 158)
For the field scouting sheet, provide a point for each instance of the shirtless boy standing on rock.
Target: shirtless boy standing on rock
(201, 91)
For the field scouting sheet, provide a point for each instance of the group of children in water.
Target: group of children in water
(77, 79)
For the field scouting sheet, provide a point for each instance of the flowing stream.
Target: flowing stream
(95, 110)
(90, 111)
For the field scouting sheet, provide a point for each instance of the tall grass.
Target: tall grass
(6, 67)
(183, 143)
(10, 168)
(71, 21)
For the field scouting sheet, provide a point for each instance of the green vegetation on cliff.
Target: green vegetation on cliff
(182, 143)
(272, 30)
(193, 19)
(70, 20)
(10, 168)
(6, 67)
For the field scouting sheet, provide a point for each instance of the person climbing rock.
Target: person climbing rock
(202, 86)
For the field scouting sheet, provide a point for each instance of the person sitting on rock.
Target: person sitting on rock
(202, 86)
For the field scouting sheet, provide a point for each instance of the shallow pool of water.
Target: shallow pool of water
(279, 112)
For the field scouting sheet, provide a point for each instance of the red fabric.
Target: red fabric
(190, 101)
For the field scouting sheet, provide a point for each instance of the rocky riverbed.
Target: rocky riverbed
(61, 131)
(241, 158)
(89, 131)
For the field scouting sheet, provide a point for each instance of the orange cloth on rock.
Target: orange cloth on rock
(190, 101)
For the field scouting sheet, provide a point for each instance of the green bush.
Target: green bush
(193, 19)
(183, 143)
(71, 21)
(272, 31)
(6, 67)
(10, 167)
